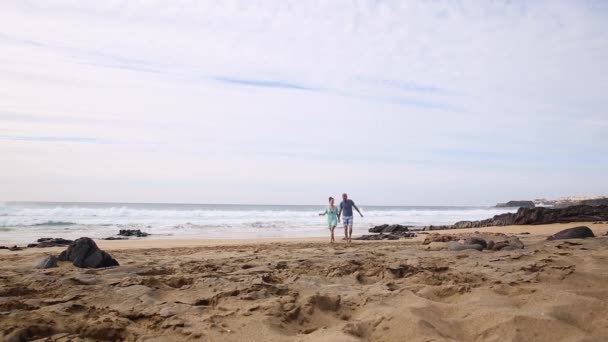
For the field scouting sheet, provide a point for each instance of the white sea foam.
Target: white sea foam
(26, 222)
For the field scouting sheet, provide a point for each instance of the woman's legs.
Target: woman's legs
(331, 229)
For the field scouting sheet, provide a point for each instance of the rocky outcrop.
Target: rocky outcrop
(390, 236)
(385, 228)
(595, 202)
(125, 234)
(495, 242)
(534, 216)
(581, 232)
(475, 241)
(84, 253)
(14, 248)
(387, 232)
(50, 242)
(516, 204)
(132, 232)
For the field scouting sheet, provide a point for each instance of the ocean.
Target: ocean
(22, 222)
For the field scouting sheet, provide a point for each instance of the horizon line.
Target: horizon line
(239, 204)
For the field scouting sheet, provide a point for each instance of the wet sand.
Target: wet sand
(307, 290)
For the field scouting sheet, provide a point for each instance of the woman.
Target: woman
(332, 217)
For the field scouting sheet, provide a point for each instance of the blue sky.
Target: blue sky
(395, 102)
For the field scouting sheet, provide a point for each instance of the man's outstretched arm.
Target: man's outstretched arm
(357, 209)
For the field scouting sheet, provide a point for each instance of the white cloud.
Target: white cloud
(426, 99)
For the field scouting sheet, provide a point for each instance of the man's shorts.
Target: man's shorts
(347, 220)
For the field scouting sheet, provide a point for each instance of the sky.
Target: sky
(268, 102)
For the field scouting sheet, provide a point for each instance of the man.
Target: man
(346, 212)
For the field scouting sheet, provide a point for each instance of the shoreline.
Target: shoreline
(145, 243)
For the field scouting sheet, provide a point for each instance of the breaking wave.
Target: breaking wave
(218, 221)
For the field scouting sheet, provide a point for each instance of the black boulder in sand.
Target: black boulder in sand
(84, 253)
(581, 232)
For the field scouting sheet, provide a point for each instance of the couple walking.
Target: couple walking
(346, 212)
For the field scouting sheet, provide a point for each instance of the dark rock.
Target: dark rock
(510, 244)
(596, 201)
(390, 236)
(52, 242)
(516, 204)
(132, 232)
(116, 238)
(500, 245)
(405, 234)
(48, 262)
(16, 248)
(370, 237)
(84, 253)
(32, 245)
(476, 241)
(385, 228)
(537, 215)
(378, 229)
(573, 233)
(395, 228)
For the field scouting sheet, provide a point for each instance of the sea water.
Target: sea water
(22, 222)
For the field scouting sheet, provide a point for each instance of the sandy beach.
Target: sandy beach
(307, 290)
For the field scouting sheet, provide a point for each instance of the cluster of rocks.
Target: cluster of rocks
(124, 234)
(494, 242)
(132, 232)
(388, 232)
(82, 253)
(41, 243)
(595, 201)
(516, 204)
(50, 242)
(535, 216)
(14, 248)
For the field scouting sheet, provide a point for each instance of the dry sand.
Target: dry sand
(306, 290)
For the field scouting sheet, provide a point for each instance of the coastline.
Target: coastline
(144, 243)
(27, 222)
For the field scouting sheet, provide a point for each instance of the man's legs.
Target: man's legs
(348, 227)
